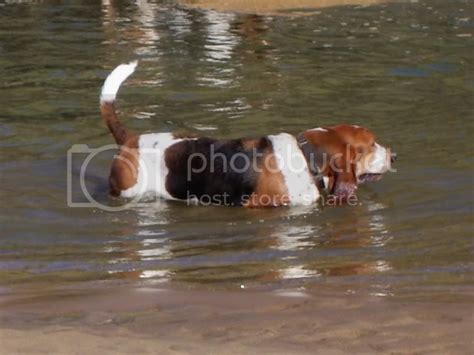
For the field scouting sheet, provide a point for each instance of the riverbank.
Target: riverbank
(149, 320)
(266, 7)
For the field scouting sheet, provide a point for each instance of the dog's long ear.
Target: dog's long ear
(345, 185)
(345, 181)
(333, 158)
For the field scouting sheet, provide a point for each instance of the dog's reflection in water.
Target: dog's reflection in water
(159, 245)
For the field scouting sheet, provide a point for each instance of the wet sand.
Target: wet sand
(149, 320)
(271, 6)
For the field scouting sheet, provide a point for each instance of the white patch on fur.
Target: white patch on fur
(355, 126)
(152, 170)
(292, 163)
(380, 162)
(326, 182)
(319, 129)
(114, 80)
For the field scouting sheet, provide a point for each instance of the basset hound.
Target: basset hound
(269, 171)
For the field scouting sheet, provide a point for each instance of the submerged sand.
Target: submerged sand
(271, 6)
(147, 320)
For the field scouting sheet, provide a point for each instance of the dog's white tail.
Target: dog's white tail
(107, 99)
(114, 80)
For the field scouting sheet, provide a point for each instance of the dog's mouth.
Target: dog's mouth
(370, 177)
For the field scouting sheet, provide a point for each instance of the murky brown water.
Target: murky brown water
(405, 70)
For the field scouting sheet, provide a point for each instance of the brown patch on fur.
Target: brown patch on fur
(270, 189)
(358, 137)
(335, 160)
(124, 170)
(251, 143)
(119, 132)
(361, 139)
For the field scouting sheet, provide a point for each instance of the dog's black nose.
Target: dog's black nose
(393, 158)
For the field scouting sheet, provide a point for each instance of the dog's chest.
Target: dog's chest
(294, 168)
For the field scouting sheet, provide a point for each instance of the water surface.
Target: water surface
(402, 69)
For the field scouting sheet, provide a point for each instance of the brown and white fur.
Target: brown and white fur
(268, 171)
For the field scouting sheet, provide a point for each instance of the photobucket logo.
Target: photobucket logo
(215, 161)
(221, 163)
(80, 157)
(218, 164)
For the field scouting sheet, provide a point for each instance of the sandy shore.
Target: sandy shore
(271, 6)
(147, 320)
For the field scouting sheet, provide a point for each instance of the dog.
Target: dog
(269, 171)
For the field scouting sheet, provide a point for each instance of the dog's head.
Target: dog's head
(345, 156)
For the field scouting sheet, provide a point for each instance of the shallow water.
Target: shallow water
(402, 69)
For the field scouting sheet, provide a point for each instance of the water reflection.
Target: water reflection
(295, 238)
(141, 29)
(380, 235)
(180, 23)
(281, 245)
(220, 42)
(224, 46)
(206, 37)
